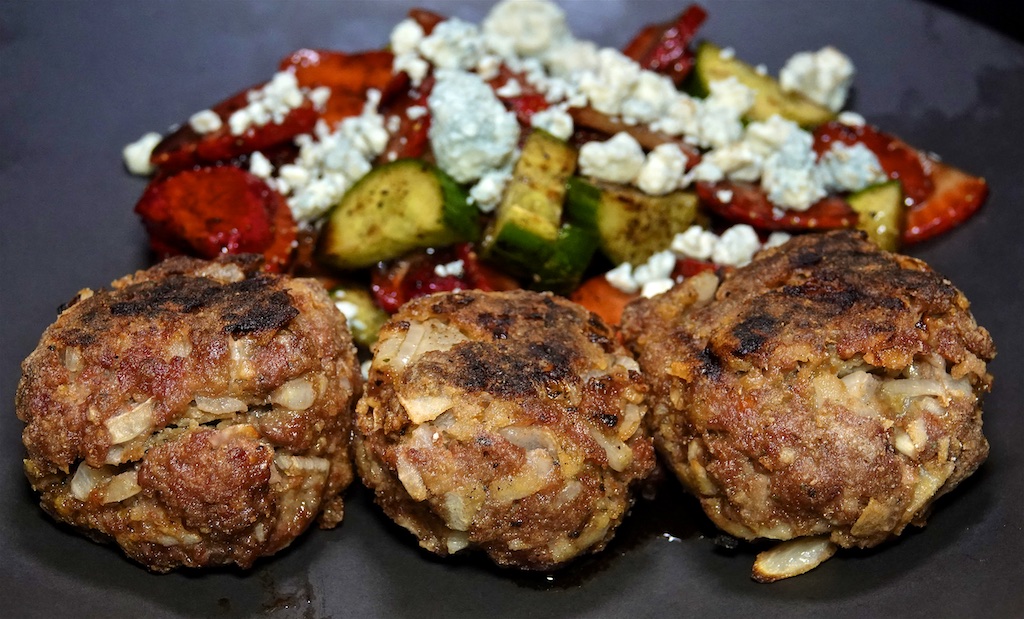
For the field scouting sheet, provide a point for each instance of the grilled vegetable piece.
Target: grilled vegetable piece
(748, 204)
(632, 225)
(938, 196)
(363, 316)
(396, 208)
(957, 197)
(185, 148)
(712, 65)
(211, 211)
(428, 271)
(899, 160)
(528, 235)
(349, 76)
(600, 297)
(879, 211)
(665, 48)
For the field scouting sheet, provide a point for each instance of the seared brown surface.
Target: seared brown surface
(197, 413)
(826, 388)
(508, 422)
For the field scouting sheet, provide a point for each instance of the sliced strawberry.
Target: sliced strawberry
(349, 76)
(749, 204)
(957, 196)
(939, 197)
(688, 267)
(184, 148)
(395, 283)
(525, 104)
(209, 211)
(643, 42)
(899, 160)
(412, 137)
(665, 48)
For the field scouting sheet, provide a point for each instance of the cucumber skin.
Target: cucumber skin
(880, 213)
(380, 219)
(769, 96)
(534, 236)
(630, 225)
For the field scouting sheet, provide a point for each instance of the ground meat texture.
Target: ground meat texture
(197, 413)
(507, 422)
(828, 388)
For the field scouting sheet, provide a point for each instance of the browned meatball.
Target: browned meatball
(198, 413)
(826, 389)
(508, 422)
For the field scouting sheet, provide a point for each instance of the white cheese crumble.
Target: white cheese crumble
(329, 162)
(790, 176)
(851, 119)
(650, 278)
(453, 44)
(486, 194)
(850, 168)
(696, 242)
(617, 160)
(412, 65)
(823, 76)
(269, 104)
(415, 112)
(530, 26)
(456, 268)
(662, 171)
(719, 117)
(137, 155)
(736, 246)
(205, 121)
(511, 88)
(406, 36)
(260, 166)
(471, 132)
(555, 120)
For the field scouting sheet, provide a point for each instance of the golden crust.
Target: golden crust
(499, 429)
(826, 388)
(200, 383)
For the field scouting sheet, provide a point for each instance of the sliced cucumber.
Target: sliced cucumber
(769, 97)
(528, 236)
(397, 207)
(631, 225)
(880, 213)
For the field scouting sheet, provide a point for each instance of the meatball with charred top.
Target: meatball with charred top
(197, 414)
(828, 391)
(507, 422)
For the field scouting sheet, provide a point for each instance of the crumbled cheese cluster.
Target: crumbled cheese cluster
(471, 132)
(735, 247)
(823, 76)
(329, 162)
(474, 137)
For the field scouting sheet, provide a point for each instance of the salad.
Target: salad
(512, 154)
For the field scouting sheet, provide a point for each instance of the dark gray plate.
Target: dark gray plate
(79, 80)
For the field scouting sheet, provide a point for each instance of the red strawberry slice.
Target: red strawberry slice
(185, 148)
(749, 204)
(349, 76)
(209, 211)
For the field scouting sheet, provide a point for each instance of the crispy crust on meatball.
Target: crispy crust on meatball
(508, 422)
(197, 413)
(828, 388)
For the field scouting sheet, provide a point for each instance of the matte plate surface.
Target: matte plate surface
(78, 80)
